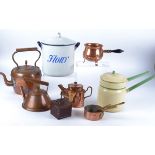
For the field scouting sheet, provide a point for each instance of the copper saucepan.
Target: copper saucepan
(96, 112)
(94, 52)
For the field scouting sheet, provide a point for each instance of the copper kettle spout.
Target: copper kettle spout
(7, 82)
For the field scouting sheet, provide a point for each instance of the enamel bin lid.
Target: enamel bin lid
(113, 77)
(59, 40)
(113, 80)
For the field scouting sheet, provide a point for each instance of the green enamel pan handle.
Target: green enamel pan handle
(141, 83)
(137, 76)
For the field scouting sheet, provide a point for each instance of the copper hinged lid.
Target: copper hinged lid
(75, 85)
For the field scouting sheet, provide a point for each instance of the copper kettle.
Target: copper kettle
(94, 52)
(18, 73)
(38, 99)
(75, 94)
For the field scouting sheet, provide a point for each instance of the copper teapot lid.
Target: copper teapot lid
(75, 85)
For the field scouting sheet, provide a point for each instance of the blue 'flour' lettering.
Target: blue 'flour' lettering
(56, 59)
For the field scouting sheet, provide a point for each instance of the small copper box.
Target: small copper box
(61, 108)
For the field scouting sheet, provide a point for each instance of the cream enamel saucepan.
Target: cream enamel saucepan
(112, 89)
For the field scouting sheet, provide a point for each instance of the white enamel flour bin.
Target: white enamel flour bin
(58, 56)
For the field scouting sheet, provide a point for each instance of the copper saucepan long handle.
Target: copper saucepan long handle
(113, 51)
(26, 50)
(91, 90)
(111, 106)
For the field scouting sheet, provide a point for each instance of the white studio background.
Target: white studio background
(138, 56)
(126, 24)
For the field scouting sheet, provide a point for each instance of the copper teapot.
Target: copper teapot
(38, 99)
(94, 52)
(75, 94)
(18, 73)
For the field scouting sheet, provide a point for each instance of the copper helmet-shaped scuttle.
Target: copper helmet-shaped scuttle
(38, 99)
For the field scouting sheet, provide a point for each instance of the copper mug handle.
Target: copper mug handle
(91, 90)
(26, 50)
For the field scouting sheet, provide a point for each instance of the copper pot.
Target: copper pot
(94, 52)
(18, 73)
(75, 93)
(36, 100)
(96, 112)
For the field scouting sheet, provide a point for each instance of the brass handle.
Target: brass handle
(25, 50)
(109, 106)
(91, 90)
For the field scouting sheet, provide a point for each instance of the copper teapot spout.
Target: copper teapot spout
(7, 82)
(64, 91)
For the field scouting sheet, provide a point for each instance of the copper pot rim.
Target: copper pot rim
(95, 45)
(93, 109)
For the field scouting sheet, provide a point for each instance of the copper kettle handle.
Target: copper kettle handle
(37, 81)
(26, 50)
(90, 91)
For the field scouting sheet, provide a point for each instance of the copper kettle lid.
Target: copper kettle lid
(75, 85)
(27, 69)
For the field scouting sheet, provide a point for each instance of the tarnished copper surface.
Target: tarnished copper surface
(38, 99)
(94, 52)
(96, 112)
(75, 94)
(18, 73)
(93, 112)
